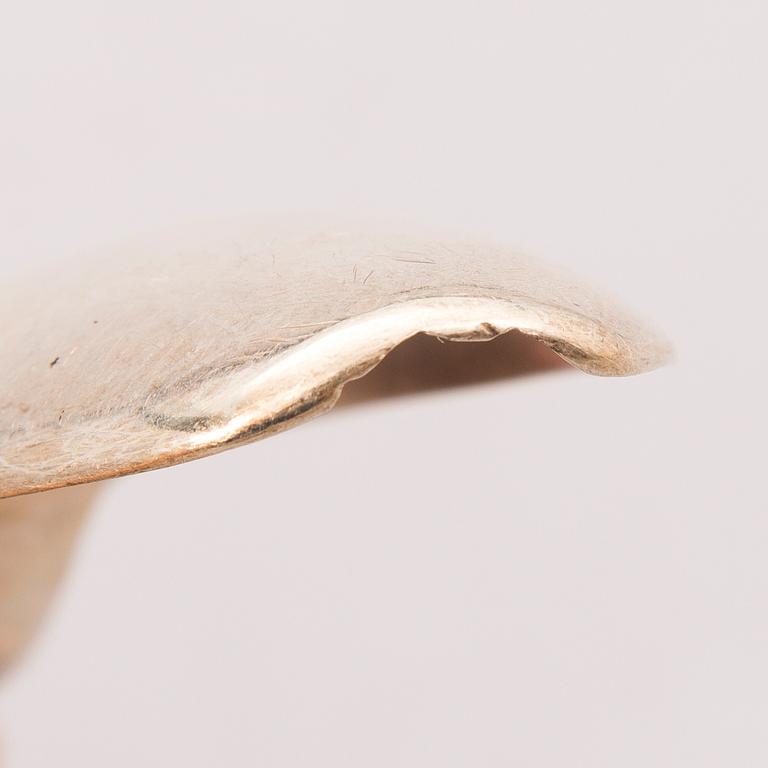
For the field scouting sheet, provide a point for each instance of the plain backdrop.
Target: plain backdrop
(554, 570)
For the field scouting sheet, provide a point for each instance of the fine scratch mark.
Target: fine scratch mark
(17, 468)
(309, 325)
(412, 261)
(365, 279)
(354, 273)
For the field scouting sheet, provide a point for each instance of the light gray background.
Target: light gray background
(546, 571)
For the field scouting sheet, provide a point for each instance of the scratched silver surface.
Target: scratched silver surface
(170, 351)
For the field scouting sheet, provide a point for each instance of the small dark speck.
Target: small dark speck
(95, 322)
(53, 362)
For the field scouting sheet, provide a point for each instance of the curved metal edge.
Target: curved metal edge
(306, 380)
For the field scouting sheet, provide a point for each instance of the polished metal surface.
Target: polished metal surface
(172, 351)
(165, 353)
